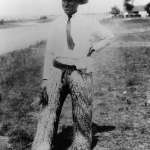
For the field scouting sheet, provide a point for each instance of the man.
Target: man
(86, 34)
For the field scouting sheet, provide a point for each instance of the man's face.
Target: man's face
(70, 6)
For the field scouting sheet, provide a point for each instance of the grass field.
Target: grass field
(122, 81)
(20, 79)
(121, 112)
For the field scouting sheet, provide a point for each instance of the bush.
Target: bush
(128, 7)
(147, 8)
(20, 139)
(115, 11)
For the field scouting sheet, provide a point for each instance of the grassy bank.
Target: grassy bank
(20, 79)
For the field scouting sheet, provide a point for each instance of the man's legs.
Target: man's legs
(81, 93)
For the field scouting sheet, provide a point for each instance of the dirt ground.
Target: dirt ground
(121, 109)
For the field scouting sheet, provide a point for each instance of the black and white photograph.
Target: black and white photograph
(74, 74)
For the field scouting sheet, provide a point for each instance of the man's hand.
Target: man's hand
(91, 51)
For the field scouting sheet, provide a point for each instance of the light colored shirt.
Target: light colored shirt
(86, 32)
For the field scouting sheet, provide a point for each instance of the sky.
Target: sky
(27, 8)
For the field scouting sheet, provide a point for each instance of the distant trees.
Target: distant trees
(129, 7)
(115, 11)
(147, 8)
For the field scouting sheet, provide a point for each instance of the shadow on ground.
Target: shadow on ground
(64, 138)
